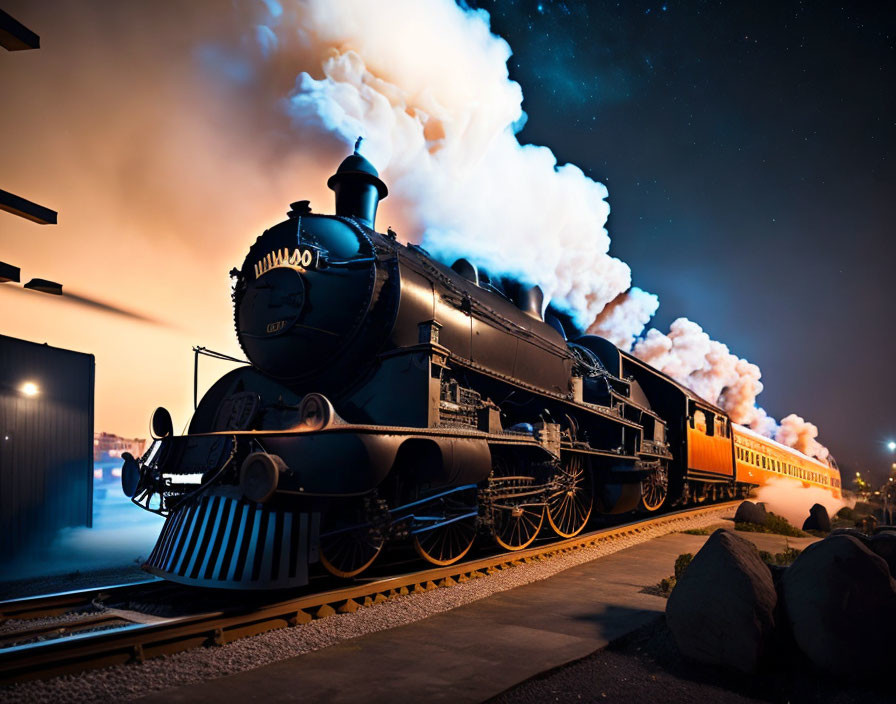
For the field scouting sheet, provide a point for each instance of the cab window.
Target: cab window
(699, 420)
(721, 431)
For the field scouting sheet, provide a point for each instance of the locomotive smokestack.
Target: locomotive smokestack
(358, 188)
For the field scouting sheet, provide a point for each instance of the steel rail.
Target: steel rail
(49, 630)
(138, 642)
(32, 607)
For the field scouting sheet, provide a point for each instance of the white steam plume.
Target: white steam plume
(623, 319)
(710, 370)
(789, 498)
(424, 80)
(426, 84)
(799, 433)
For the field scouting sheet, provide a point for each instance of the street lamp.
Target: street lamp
(29, 388)
(891, 446)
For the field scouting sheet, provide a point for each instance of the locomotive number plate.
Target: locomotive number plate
(300, 258)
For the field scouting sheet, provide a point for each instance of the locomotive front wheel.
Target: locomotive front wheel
(449, 542)
(349, 542)
(569, 507)
(655, 489)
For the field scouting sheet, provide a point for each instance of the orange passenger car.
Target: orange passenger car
(758, 458)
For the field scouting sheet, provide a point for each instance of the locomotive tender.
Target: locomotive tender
(393, 400)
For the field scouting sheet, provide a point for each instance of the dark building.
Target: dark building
(46, 442)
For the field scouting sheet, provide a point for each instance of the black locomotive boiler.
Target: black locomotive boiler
(390, 399)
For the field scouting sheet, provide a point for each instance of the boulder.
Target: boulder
(748, 512)
(838, 595)
(854, 532)
(721, 611)
(818, 519)
(883, 545)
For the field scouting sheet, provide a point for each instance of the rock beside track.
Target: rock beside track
(721, 612)
(884, 545)
(748, 512)
(852, 532)
(818, 519)
(838, 595)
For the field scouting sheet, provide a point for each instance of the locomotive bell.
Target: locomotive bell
(358, 188)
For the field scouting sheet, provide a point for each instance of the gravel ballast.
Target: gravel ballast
(135, 680)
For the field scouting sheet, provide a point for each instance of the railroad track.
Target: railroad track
(135, 641)
(28, 608)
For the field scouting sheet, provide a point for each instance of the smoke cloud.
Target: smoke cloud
(625, 317)
(789, 498)
(800, 434)
(439, 114)
(176, 133)
(708, 368)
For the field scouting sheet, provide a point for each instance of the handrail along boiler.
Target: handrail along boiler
(391, 399)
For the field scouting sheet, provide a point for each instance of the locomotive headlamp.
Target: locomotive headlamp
(130, 475)
(29, 388)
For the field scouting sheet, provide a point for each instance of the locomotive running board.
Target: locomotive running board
(227, 543)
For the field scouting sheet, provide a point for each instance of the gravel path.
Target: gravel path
(131, 681)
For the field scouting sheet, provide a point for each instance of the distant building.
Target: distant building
(46, 442)
(107, 451)
(108, 446)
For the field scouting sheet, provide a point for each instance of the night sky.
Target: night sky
(749, 153)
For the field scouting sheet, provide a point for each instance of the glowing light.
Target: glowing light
(29, 388)
(891, 446)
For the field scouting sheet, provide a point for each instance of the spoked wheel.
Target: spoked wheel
(349, 542)
(569, 507)
(516, 509)
(450, 539)
(655, 489)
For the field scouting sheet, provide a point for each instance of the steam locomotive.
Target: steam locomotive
(392, 400)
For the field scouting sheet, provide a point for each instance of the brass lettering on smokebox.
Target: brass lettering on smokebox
(300, 259)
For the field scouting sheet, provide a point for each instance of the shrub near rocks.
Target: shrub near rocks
(721, 611)
(773, 524)
(840, 602)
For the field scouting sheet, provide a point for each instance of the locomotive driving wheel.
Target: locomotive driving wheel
(569, 506)
(452, 537)
(516, 506)
(349, 539)
(655, 488)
